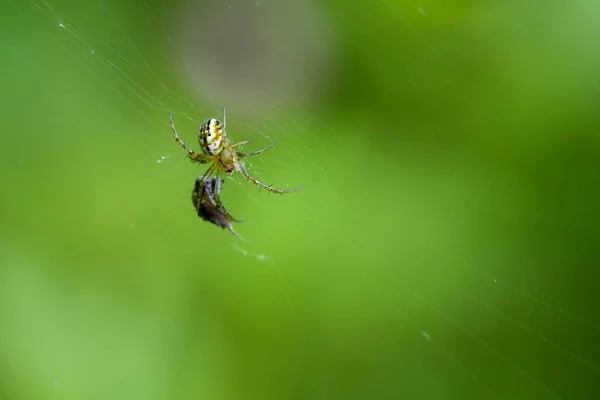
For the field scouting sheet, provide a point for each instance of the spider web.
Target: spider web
(133, 81)
(444, 287)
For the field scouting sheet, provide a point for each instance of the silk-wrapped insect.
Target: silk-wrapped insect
(206, 200)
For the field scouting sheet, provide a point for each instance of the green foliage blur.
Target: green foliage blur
(449, 143)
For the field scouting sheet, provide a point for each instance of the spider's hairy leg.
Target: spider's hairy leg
(253, 153)
(207, 174)
(245, 174)
(216, 196)
(243, 142)
(194, 157)
(217, 191)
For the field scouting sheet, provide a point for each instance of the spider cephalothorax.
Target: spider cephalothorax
(224, 156)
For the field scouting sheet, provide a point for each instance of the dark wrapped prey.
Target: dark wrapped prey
(205, 197)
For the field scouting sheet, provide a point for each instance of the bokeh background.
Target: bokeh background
(445, 245)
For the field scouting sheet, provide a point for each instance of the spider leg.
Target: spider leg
(224, 119)
(217, 199)
(217, 191)
(244, 172)
(195, 157)
(206, 175)
(243, 142)
(242, 155)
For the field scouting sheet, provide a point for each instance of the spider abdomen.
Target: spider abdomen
(211, 137)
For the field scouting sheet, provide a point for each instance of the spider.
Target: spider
(224, 156)
(203, 198)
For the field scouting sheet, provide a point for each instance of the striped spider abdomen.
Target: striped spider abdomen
(212, 137)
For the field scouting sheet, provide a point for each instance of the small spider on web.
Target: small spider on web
(224, 158)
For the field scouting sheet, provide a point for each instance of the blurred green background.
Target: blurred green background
(445, 245)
